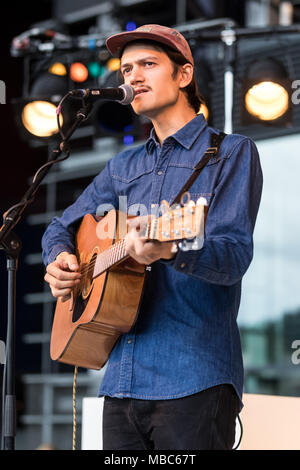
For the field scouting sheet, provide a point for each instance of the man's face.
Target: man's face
(149, 72)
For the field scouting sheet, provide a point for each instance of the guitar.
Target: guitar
(106, 302)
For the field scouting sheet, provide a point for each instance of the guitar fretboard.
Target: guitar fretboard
(109, 257)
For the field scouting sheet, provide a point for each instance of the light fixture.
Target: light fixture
(95, 69)
(130, 26)
(267, 100)
(57, 68)
(266, 93)
(36, 111)
(39, 118)
(78, 72)
(113, 64)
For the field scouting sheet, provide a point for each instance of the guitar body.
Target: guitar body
(86, 328)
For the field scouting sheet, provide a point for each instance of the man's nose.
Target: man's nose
(136, 76)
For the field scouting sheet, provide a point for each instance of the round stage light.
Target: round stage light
(58, 69)
(266, 92)
(113, 64)
(95, 69)
(78, 72)
(130, 26)
(39, 118)
(267, 100)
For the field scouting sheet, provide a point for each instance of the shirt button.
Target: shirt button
(182, 265)
(159, 172)
(129, 341)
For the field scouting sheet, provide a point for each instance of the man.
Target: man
(175, 380)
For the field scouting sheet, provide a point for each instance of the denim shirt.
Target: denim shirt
(186, 337)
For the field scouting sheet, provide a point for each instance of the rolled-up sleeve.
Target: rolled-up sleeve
(60, 234)
(228, 243)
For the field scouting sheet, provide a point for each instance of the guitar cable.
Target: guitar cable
(241, 433)
(74, 408)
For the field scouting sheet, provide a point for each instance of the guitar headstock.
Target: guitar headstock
(182, 222)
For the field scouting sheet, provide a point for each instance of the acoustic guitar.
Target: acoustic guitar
(106, 302)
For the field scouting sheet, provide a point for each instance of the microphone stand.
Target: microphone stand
(11, 244)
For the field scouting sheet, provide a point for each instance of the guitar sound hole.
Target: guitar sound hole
(83, 294)
(79, 308)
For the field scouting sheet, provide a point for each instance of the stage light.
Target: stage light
(58, 69)
(113, 64)
(39, 118)
(130, 26)
(36, 112)
(266, 92)
(96, 70)
(267, 100)
(78, 72)
(128, 139)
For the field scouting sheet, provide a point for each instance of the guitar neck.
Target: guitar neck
(178, 224)
(108, 258)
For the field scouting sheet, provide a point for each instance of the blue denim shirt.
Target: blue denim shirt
(186, 337)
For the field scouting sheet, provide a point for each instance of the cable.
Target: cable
(74, 408)
(58, 112)
(241, 435)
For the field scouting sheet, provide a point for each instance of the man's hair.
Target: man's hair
(191, 90)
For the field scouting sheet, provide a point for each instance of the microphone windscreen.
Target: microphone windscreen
(128, 94)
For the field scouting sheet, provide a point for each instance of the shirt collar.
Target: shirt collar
(186, 136)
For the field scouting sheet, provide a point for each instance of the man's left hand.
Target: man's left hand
(140, 248)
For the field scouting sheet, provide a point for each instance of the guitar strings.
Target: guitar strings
(112, 249)
(112, 252)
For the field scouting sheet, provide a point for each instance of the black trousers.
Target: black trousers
(203, 421)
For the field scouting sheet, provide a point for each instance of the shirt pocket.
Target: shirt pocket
(133, 182)
(130, 173)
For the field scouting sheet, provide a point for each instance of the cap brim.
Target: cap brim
(116, 43)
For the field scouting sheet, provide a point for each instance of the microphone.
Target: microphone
(124, 94)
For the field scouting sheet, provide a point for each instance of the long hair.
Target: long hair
(191, 91)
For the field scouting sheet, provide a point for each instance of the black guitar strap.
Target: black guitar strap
(212, 151)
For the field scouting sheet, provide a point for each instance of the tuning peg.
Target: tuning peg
(201, 201)
(174, 248)
(182, 199)
(164, 207)
(188, 245)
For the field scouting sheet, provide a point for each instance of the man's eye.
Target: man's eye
(149, 63)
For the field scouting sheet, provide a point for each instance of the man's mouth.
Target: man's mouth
(140, 91)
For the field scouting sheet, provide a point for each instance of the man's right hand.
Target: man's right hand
(62, 275)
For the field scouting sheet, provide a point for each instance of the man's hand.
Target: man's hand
(62, 275)
(142, 250)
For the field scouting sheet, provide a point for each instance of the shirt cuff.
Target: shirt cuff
(56, 250)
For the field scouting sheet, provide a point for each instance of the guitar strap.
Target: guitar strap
(211, 152)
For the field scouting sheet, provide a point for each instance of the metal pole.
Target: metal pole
(9, 417)
(229, 39)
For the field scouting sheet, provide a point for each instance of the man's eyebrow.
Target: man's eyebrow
(139, 61)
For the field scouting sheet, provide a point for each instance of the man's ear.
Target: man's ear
(186, 75)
